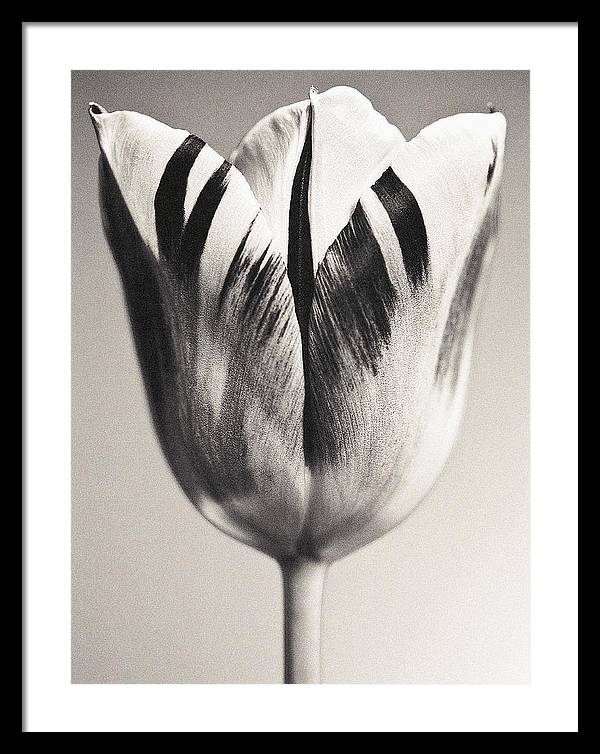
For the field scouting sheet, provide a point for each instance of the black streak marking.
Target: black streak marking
(354, 303)
(463, 302)
(156, 330)
(407, 221)
(300, 264)
(170, 197)
(251, 288)
(200, 220)
(181, 247)
(234, 268)
(210, 452)
(490, 173)
(262, 392)
(354, 298)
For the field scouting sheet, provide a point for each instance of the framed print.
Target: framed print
(294, 354)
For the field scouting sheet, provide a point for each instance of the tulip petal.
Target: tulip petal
(212, 314)
(390, 331)
(155, 328)
(268, 157)
(251, 392)
(138, 149)
(352, 144)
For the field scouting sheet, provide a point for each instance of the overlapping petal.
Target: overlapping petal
(213, 318)
(391, 328)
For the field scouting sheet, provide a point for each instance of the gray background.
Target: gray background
(159, 595)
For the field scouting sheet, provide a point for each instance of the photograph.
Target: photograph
(300, 397)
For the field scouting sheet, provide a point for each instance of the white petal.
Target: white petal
(385, 411)
(268, 157)
(138, 149)
(446, 167)
(213, 318)
(352, 144)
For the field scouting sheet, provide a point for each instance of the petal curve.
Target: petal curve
(352, 144)
(213, 319)
(383, 415)
(268, 156)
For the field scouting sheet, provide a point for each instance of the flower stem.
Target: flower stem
(303, 581)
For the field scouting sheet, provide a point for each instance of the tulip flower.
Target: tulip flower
(303, 314)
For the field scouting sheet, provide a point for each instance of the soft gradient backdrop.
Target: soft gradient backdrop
(159, 595)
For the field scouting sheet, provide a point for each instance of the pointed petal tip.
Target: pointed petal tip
(499, 120)
(500, 128)
(94, 110)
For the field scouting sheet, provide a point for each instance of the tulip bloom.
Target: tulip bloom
(303, 315)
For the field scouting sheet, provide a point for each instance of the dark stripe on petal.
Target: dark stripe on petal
(170, 197)
(464, 300)
(490, 173)
(262, 397)
(156, 329)
(234, 268)
(407, 221)
(354, 303)
(244, 454)
(200, 220)
(261, 279)
(251, 286)
(300, 262)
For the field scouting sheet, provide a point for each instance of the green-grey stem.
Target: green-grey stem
(303, 581)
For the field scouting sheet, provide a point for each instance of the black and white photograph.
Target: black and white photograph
(300, 326)
(305, 314)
